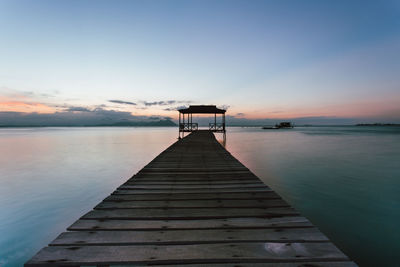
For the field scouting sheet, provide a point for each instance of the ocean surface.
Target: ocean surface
(346, 180)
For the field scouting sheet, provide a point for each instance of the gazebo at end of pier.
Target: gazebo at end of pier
(189, 126)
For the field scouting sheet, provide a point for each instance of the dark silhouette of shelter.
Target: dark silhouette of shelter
(189, 126)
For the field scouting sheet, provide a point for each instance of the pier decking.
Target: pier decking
(194, 204)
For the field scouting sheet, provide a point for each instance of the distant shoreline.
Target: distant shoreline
(85, 126)
(378, 124)
(160, 123)
(175, 125)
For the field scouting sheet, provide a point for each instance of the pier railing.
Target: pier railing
(216, 127)
(188, 127)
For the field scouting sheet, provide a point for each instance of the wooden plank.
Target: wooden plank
(211, 174)
(174, 167)
(203, 182)
(193, 204)
(121, 196)
(187, 213)
(193, 161)
(194, 170)
(127, 195)
(193, 179)
(178, 254)
(198, 172)
(192, 187)
(174, 237)
(185, 191)
(275, 264)
(228, 223)
(230, 175)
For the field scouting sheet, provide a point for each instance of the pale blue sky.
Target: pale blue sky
(262, 58)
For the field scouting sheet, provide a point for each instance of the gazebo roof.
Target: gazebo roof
(203, 109)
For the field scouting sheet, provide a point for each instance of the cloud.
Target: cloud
(225, 107)
(40, 95)
(31, 95)
(165, 103)
(25, 101)
(239, 114)
(80, 109)
(159, 103)
(181, 107)
(175, 108)
(101, 106)
(122, 102)
(23, 106)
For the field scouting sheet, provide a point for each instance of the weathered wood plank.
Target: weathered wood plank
(126, 195)
(209, 175)
(275, 264)
(174, 237)
(194, 170)
(193, 173)
(193, 179)
(193, 204)
(203, 182)
(178, 254)
(192, 187)
(187, 213)
(228, 223)
(185, 191)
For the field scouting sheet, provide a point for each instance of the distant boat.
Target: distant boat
(282, 125)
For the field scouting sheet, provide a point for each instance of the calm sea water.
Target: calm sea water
(346, 180)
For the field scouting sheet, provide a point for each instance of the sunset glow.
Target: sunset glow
(9, 104)
(260, 59)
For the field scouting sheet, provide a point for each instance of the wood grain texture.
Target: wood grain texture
(181, 254)
(245, 203)
(229, 223)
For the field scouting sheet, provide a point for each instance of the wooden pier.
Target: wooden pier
(193, 205)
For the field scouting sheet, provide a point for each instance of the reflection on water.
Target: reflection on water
(221, 138)
(49, 177)
(346, 180)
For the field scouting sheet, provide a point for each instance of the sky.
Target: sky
(275, 59)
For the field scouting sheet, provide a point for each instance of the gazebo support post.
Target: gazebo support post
(215, 121)
(179, 125)
(223, 121)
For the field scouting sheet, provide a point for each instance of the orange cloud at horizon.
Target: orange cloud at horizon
(26, 107)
